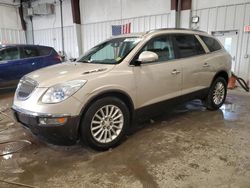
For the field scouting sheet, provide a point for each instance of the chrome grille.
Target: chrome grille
(25, 87)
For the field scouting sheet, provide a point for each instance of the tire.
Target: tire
(109, 116)
(217, 94)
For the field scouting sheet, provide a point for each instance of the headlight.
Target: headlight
(61, 92)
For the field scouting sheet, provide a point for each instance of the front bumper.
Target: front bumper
(61, 134)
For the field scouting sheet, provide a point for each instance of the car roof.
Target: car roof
(163, 30)
(21, 45)
(184, 30)
(140, 34)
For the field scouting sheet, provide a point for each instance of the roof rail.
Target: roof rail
(167, 29)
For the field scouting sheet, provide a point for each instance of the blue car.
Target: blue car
(18, 60)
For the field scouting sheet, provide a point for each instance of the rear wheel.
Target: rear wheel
(217, 94)
(105, 123)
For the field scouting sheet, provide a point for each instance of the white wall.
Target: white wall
(204, 4)
(98, 17)
(98, 11)
(221, 15)
(10, 25)
(47, 28)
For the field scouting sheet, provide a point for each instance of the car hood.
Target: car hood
(68, 71)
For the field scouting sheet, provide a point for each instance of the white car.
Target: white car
(97, 97)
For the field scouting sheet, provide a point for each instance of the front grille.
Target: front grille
(25, 87)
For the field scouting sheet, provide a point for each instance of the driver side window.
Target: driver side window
(162, 46)
(9, 54)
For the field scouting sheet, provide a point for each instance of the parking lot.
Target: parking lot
(188, 147)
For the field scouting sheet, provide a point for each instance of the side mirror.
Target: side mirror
(147, 57)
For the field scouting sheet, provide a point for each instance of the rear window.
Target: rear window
(188, 45)
(212, 44)
(44, 51)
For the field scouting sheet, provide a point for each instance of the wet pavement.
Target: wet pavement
(187, 147)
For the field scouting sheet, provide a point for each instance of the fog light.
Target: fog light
(52, 121)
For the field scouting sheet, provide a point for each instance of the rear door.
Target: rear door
(195, 67)
(48, 56)
(30, 59)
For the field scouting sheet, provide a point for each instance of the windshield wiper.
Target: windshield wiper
(84, 61)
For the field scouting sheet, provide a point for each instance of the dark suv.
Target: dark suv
(18, 60)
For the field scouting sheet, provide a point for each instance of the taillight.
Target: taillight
(58, 58)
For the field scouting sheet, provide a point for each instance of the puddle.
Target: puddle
(229, 111)
(6, 120)
(6, 126)
(9, 147)
(195, 105)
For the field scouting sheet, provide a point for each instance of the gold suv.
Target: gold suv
(97, 97)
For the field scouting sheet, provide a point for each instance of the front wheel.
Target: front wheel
(217, 94)
(104, 124)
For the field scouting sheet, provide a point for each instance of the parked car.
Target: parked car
(18, 60)
(97, 97)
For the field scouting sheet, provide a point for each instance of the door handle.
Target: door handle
(206, 65)
(175, 72)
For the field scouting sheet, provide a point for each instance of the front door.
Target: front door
(9, 59)
(161, 80)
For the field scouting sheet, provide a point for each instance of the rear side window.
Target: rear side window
(44, 51)
(9, 54)
(29, 52)
(212, 44)
(188, 45)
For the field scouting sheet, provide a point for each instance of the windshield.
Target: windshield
(110, 52)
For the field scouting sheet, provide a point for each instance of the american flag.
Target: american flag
(121, 29)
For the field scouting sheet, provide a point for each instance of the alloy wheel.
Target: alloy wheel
(219, 93)
(107, 124)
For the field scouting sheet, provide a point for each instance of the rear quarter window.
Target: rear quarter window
(211, 43)
(44, 51)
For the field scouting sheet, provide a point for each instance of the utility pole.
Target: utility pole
(178, 15)
(62, 26)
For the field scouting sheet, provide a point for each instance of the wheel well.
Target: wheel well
(222, 74)
(118, 94)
